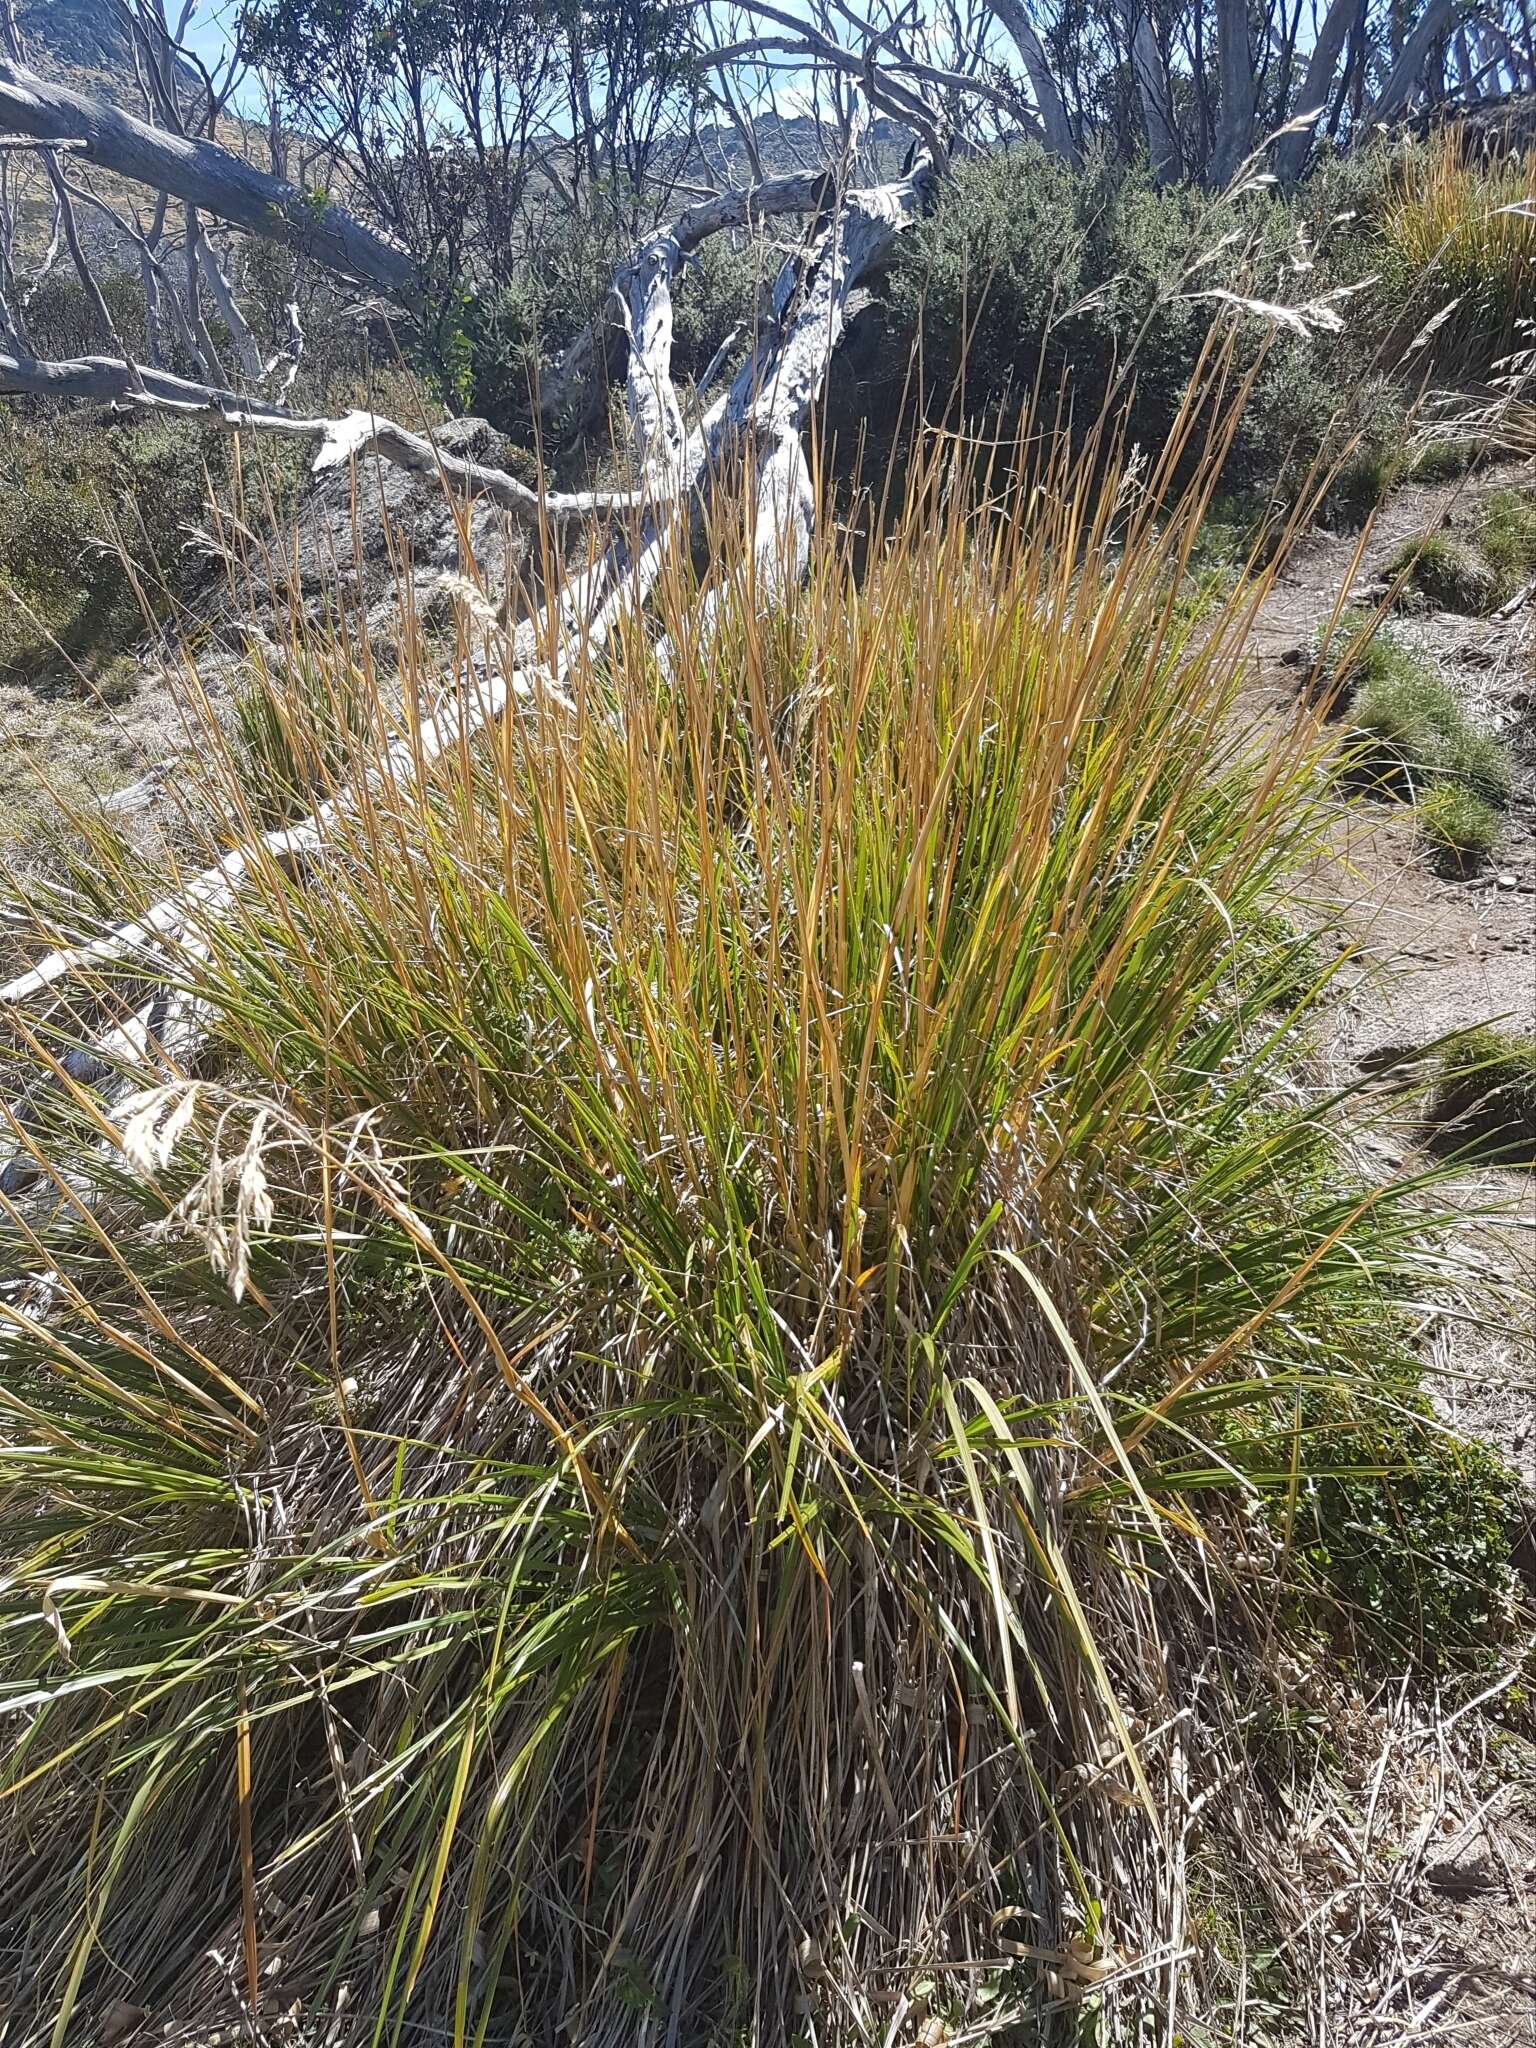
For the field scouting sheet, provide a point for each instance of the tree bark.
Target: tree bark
(1156, 112)
(1292, 150)
(1054, 121)
(1239, 91)
(1407, 74)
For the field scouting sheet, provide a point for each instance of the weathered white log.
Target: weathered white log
(203, 174)
(738, 206)
(759, 418)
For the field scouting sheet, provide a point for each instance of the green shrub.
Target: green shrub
(718, 292)
(1411, 1531)
(1483, 1101)
(1508, 539)
(94, 522)
(1030, 269)
(62, 319)
(1458, 825)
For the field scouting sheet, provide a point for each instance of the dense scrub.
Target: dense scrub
(96, 518)
(726, 1396)
(1094, 284)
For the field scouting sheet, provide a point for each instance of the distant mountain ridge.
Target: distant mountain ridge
(86, 35)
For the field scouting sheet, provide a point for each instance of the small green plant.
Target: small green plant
(1446, 461)
(1359, 484)
(1442, 571)
(1479, 760)
(1509, 539)
(1459, 826)
(1483, 1101)
(1361, 650)
(1411, 1532)
(1405, 716)
(1442, 462)
(1416, 734)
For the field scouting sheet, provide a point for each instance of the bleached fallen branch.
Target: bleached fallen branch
(798, 192)
(113, 381)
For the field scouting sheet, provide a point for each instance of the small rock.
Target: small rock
(1509, 879)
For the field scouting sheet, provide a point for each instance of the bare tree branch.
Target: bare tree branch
(111, 380)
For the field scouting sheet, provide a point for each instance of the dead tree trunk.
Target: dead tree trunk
(202, 174)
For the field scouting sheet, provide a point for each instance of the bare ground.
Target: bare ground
(1435, 956)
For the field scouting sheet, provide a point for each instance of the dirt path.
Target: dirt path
(1437, 955)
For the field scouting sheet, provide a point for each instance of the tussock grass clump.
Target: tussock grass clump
(297, 733)
(1415, 737)
(1461, 230)
(1361, 651)
(1443, 571)
(1417, 732)
(1459, 827)
(676, 1429)
(1508, 539)
(1483, 1102)
(1445, 461)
